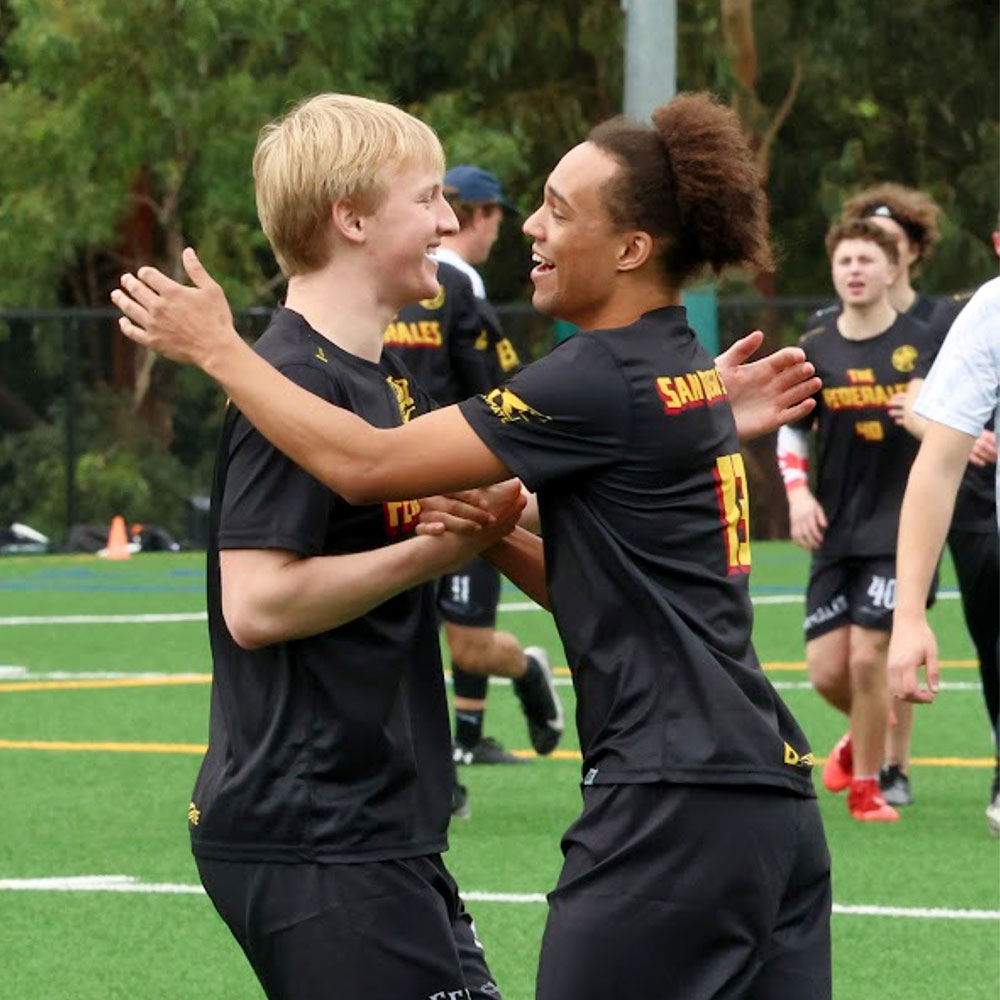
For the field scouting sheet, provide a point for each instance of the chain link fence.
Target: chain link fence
(90, 427)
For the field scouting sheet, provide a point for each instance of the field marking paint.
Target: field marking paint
(199, 748)
(92, 683)
(200, 616)
(128, 883)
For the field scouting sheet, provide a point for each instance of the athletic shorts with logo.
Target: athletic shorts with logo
(470, 597)
(852, 591)
(690, 892)
(381, 930)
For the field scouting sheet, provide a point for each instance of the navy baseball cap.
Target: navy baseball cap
(476, 185)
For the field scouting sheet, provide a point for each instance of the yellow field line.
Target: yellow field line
(111, 682)
(199, 748)
(181, 679)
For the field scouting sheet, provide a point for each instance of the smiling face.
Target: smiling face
(404, 230)
(575, 245)
(862, 273)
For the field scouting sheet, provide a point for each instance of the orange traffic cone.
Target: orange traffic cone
(117, 547)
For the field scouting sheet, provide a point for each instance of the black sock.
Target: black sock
(468, 726)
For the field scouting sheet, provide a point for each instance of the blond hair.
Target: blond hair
(330, 147)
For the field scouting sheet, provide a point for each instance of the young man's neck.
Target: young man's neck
(343, 307)
(902, 295)
(458, 245)
(861, 322)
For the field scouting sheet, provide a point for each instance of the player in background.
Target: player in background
(864, 359)
(472, 358)
(972, 535)
(698, 867)
(441, 340)
(910, 217)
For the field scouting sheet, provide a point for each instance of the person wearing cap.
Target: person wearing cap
(468, 599)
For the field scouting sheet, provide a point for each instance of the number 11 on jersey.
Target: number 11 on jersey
(734, 510)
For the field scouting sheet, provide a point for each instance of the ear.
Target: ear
(635, 248)
(348, 221)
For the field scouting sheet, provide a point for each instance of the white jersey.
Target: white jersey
(962, 389)
(450, 257)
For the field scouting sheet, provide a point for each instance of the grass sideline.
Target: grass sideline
(97, 767)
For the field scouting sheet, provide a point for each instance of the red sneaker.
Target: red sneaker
(866, 802)
(839, 767)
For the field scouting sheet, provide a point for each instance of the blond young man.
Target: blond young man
(850, 522)
(320, 811)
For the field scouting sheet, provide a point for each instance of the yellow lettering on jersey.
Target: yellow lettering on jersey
(430, 333)
(734, 510)
(506, 355)
(482, 341)
(795, 759)
(870, 430)
(400, 516)
(861, 376)
(860, 397)
(194, 814)
(690, 389)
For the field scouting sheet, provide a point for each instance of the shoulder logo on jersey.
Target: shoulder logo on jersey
(482, 341)
(904, 358)
(407, 404)
(795, 759)
(320, 355)
(436, 302)
(400, 516)
(194, 814)
(510, 408)
(690, 390)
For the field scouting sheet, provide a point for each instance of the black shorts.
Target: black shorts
(381, 930)
(470, 597)
(852, 591)
(690, 892)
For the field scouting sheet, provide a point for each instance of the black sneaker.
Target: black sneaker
(486, 751)
(460, 801)
(895, 786)
(543, 710)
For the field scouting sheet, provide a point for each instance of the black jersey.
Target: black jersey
(628, 439)
(976, 503)
(921, 309)
(501, 355)
(440, 340)
(336, 746)
(863, 456)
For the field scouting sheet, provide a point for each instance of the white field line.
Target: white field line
(127, 883)
(200, 616)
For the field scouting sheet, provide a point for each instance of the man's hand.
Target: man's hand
(897, 408)
(466, 512)
(913, 645)
(182, 322)
(767, 393)
(806, 518)
(504, 502)
(984, 451)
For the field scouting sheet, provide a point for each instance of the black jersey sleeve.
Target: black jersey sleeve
(945, 313)
(268, 501)
(566, 413)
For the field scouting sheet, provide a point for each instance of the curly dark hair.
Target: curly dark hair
(691, 181)
(916, 211)
(861, 229)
